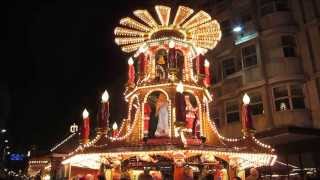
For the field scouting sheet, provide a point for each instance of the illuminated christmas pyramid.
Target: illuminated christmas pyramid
(168, 122)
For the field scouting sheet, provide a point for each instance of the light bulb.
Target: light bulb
(179, 87)
(85, 114)
(171, 44)
(246, 99)
(206, 63)
(142, 48)
(130, 61)
(237, 29)
(105, 96)
(114, 126)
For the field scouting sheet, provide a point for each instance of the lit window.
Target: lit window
(288, 46)
(256, 103)
(270, 6)
(249, 56)
(288, 97)
(228, 67)
(232, 111)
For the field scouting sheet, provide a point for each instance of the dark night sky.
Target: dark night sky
(61, 56)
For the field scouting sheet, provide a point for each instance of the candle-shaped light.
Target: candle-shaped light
(246, 99)
(246, 114)
(86, 126)
(180, 87)
(206, 80)
(180, 103)
(104, 116)
(114, 129)
(171, 44)
(131, 73)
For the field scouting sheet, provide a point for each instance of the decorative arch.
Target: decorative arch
(133, 107)
(161, 64)
(199, 109)
(169, 108)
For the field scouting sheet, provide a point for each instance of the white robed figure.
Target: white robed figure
(163, 116)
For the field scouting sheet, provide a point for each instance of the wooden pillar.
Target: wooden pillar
(241, 174)
(68, 171)
(108, 174)
(178, 172)
(232, 172)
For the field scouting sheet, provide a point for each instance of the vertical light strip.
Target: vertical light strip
(145, 16)
(163, 13)
(182, 14)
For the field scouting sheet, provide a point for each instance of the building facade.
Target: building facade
(270, 49)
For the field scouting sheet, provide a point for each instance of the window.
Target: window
(288, 46)
(228, 67)
(297, 98)
(288, 97)
(256, 104)
(225, 28)
(270, 6)
(249, 56)
(232, 111)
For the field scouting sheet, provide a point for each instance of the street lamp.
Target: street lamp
(237, 29)
(3, 131)
(6, 141)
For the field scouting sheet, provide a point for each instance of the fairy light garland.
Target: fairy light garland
(38, 162)
(199, 30)
(145, 16)
(62, 142)
(129, 22)
(199, 18)
(245, 159)
(182, 14)
(163, 13)
(214, 128)
(120, 31)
